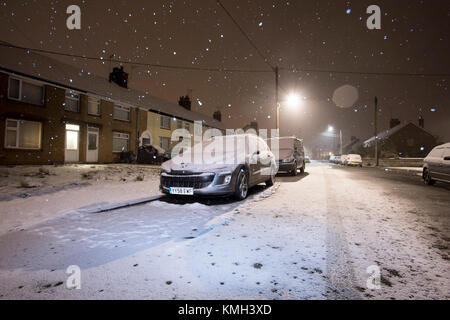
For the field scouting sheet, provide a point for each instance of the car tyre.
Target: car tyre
(271, 181)
(294, 170)
(241, 188)
(427, 178)
(302, 169)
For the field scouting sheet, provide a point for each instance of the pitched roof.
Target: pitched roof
(387, 133)
(20, 61)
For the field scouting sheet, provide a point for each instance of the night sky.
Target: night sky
(315, 35)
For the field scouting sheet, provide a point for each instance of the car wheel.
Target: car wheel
(241, 188)
(427, 178)
(302, 169)
(270, 182)
(294, 169)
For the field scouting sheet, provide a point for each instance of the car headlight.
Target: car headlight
(224, 179)
(227, 179)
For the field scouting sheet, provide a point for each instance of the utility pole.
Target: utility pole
(375, 124)
(340, 140)
(277, 105)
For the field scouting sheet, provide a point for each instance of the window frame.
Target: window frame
(119, 106)
(128, 140)
(160, 143)
(89, 98)
(161, 122)
(34, 83)
(17, 130)
(72, 92)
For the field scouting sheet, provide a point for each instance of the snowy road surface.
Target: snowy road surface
(309, 237)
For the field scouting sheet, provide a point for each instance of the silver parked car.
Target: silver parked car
(436, 166)
(229, 165)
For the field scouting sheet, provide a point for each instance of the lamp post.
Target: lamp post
(331, 129)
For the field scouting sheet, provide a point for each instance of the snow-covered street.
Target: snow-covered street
(311, 236)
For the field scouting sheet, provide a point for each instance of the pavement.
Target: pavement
(319, 235)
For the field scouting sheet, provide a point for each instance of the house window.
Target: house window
(146, 139)
(23, 134)
(93, 106)
(25, 91)
(72, 135)
(122, 113)
(165, 122)
(187, 126)
(72, 102)
(120, 142)
(179, 124)
(164, 143)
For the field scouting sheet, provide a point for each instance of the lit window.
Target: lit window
(25, 91)
(23, 134)
(120, 141)
(93, 106)
(121, 113)
(72, 134)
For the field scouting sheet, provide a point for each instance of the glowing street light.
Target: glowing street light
(292, 101)
(330, 129)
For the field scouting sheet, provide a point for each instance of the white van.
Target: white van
(353, 160)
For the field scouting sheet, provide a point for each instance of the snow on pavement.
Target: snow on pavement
(309, 237)
(61, 189)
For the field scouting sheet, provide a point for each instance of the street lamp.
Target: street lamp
(331, 129)
(292, 101)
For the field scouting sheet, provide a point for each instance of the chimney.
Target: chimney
(119, 77)
(394, 122)
(421, 122)
(185, 102)
(217, 115)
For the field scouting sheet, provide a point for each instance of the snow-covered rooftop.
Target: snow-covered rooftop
(17, 60)
(387, 133)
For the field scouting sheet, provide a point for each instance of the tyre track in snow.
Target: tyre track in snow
(340, 273)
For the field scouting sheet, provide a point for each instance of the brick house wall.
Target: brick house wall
(53, 117)
(410, 140)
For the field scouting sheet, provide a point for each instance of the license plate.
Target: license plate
(184, 191)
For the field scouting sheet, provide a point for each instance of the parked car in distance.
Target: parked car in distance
(149, 154)
(334, 159)
(436, 165)
(291, 154)
(249, 163)
(342, 159)
(353, 160)
(307, 159)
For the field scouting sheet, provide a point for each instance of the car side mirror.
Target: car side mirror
(447, 158)
(256, 153)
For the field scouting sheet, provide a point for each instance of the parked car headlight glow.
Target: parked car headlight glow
(287, 160)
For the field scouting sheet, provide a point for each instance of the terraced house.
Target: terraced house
(51, 112)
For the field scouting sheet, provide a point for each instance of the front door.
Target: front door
(72, 146)
(92, 145)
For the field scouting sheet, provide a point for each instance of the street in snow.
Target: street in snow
(310, 236)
